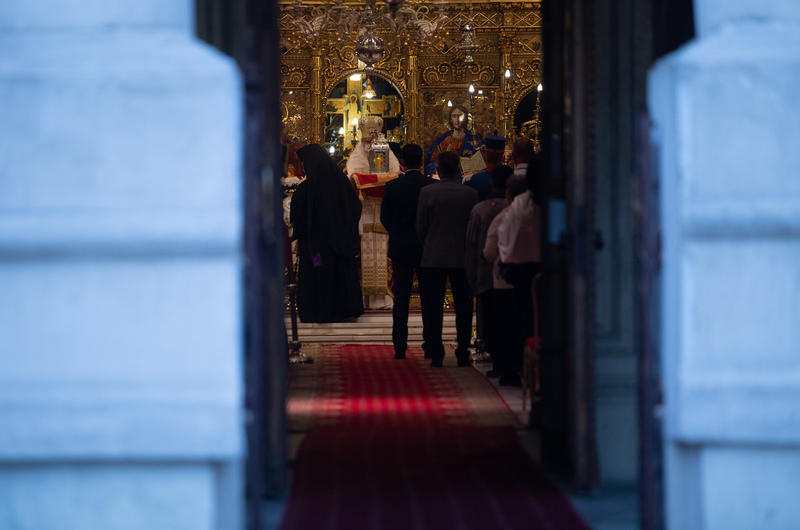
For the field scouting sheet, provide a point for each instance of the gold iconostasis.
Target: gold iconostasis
(485, 56)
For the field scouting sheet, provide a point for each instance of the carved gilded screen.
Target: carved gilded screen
(317, 60)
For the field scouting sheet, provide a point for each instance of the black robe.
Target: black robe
(324, 213)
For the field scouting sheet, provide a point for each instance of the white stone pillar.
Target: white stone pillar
(120, 304)
(727, 134)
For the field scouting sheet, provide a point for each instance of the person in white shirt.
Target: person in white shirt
(521, 154)
(506, 329)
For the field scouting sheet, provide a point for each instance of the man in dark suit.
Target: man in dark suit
(398, 216)
(442, 216)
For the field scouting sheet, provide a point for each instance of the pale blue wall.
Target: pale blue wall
(120, 269)
(727, 133)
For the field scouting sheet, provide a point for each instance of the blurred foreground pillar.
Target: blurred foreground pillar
(120, 319)
(727, 137)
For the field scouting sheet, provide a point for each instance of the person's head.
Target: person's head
(499, 178)
(492, 158)
(370, 126)
(448, 165)
(514, 187)
(458, 118)
(493, 150)
(317, 162)
(522, 151)
(534, 178)
(412, 156)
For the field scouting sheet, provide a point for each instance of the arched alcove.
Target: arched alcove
(526, 114)
(359, 94)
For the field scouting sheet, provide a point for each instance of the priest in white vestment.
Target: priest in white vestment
(358, 162)
(374, 240)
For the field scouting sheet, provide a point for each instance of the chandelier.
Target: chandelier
(396, 15)
(468, 45)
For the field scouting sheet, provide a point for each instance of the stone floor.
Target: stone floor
(614, 507)
(374, 327)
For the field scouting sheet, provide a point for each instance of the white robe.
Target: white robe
(359, 161)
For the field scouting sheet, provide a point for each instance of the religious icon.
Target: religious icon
(352, 109)
(458, 139)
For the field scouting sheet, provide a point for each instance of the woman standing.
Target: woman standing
(324, 213)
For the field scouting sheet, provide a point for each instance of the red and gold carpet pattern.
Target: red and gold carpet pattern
(396, 444)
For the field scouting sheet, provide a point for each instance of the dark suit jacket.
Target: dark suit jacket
(479, 270)
(481, 182)
(399, 215)
(442, 217)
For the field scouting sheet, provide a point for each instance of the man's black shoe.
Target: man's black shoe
(437, 363)
(399, 355)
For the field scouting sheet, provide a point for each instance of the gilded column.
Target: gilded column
(316, 96)
(413, 101)
(506, 39)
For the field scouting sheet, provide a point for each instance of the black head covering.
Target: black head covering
(333, 208)
(396, 149)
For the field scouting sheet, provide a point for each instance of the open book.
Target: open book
(472, 164)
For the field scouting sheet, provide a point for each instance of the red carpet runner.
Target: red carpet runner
(398, 444)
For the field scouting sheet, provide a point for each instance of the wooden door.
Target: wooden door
(568, 405)
(248, 31)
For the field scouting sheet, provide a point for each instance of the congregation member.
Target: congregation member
(519, 245)
(507, 328)
(398, 216)
(479, 270)
(325, 211)
(493, 152)
(442, 214)
(521, 154)
(520, 237)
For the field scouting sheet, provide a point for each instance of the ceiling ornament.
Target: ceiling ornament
(397, 16)
(369, 48)
(468, 44)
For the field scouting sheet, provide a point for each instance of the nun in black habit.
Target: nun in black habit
(324, 214)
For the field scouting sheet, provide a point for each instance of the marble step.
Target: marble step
(370, 327)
